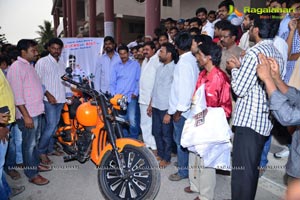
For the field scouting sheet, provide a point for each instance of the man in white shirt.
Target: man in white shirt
(207, 27)
(50, 69)
(184, 81)
(148, 72)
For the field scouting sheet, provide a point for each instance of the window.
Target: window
(167, 3)
(136, 28)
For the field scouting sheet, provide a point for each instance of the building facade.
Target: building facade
(125, 19)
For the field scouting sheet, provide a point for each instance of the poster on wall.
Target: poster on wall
(81, 54)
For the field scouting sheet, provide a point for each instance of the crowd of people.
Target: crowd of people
(245, 69)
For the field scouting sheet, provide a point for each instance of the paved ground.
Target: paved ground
(75, 181)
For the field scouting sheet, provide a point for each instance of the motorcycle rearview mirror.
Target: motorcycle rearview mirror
(69, 70)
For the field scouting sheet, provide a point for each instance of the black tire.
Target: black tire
(141, 182)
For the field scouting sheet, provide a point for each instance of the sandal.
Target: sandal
(16, 190)
(39, 180)
(45, 160)
(14, 174)
(163, 164)
(158, 158)
(43, 168)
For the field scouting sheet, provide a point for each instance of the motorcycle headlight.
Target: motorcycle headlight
(122, 102)
(69, 101)
(119, 102)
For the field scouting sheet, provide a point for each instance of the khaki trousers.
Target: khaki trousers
(202, 180)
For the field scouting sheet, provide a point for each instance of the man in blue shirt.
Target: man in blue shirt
(125, 76)
(283, 31)
(104, 65)
(285, 106)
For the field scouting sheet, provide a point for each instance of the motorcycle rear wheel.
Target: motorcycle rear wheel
(142, 175)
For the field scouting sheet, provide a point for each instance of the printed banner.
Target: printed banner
(81, 54)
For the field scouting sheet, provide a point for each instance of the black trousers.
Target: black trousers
(247, 149)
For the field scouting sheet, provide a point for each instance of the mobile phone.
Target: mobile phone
(4, 110)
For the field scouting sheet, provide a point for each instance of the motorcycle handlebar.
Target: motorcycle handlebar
(120, 103)
(83, 87)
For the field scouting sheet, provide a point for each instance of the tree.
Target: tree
(2, 38)
(46, 32)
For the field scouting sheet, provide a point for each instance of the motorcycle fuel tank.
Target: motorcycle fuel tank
(87, 114)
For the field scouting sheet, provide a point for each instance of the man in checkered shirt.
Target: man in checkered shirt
(252, 118)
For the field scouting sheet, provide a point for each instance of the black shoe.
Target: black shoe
(176, 177)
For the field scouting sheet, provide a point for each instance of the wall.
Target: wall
(129, 7)
(173, 11)
(134, 11)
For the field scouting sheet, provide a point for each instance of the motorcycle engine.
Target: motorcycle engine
(83, 143)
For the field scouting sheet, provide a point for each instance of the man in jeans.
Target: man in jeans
(125, 76)
(14, 156)
(184, 81)
(4, 131)
(162, 127)
(28, 93)
(50, 68)
(7, 117)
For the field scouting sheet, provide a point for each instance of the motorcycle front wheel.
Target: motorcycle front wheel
(141, 178)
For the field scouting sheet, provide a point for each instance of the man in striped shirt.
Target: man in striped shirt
(28, 92)
(50, 68)
(252, 120)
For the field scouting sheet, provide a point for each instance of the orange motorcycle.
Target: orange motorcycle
(127, 169)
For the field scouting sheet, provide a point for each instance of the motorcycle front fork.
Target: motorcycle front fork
(114, 131)
(118, 134)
